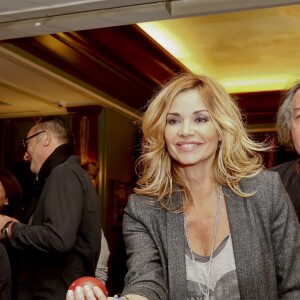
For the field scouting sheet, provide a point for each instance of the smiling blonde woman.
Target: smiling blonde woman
(206, 220)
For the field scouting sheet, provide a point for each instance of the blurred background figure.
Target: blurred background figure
(10, 194)
(92, 168)
(5, 280)
(288, 125)
(10, 205)
(102, 264)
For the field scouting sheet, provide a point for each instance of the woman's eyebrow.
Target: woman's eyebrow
(194, 113)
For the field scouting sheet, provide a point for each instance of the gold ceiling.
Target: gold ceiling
(254, 50)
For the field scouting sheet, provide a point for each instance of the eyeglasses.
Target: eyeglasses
(24, 142)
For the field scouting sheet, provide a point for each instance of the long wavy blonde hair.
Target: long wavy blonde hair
(236, 158)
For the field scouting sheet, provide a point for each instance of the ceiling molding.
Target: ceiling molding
(93, 57)
(48, 85)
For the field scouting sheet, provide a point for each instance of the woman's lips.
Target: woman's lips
(188, 145)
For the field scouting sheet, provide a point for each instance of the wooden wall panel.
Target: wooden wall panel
(259, 107)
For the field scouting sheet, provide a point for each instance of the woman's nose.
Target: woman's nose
(186, 129)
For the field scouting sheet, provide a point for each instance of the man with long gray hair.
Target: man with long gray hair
(288, 125)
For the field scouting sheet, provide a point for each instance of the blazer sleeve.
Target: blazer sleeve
(145, 275)
(285, 242)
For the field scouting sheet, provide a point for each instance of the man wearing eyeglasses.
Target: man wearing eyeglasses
(62, 240)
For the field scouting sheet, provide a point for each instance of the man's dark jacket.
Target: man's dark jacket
(291, 181)
(63, 240)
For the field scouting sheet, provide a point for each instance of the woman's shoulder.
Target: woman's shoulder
(145, 208)
(140, 200)
(263, 180)
(152, 201)
(264, 174)
(151, 204)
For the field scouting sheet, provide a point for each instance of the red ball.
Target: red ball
(91, 281)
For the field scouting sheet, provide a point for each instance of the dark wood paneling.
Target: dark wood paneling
(259, 107)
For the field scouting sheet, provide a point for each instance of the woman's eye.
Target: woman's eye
(172, 121)
(297, 118)
(201, 119)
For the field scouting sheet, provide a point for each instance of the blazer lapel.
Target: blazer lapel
(176, 253)
(244, 241)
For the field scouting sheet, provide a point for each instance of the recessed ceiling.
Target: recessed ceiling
(254, 50)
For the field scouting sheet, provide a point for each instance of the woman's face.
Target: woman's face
(295, 123)
(190, 135)
(3, 199)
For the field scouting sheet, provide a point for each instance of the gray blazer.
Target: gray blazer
(265, 236)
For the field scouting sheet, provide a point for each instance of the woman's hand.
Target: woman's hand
(86, 293)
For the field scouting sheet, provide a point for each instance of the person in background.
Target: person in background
(62, 240)
(288, 126)
(92, 168)
(102, 265)
(5, 275)
(206, 220)
(10, 194)
(11, 205)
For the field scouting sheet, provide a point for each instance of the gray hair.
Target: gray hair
(284, 116)
(58, 126)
